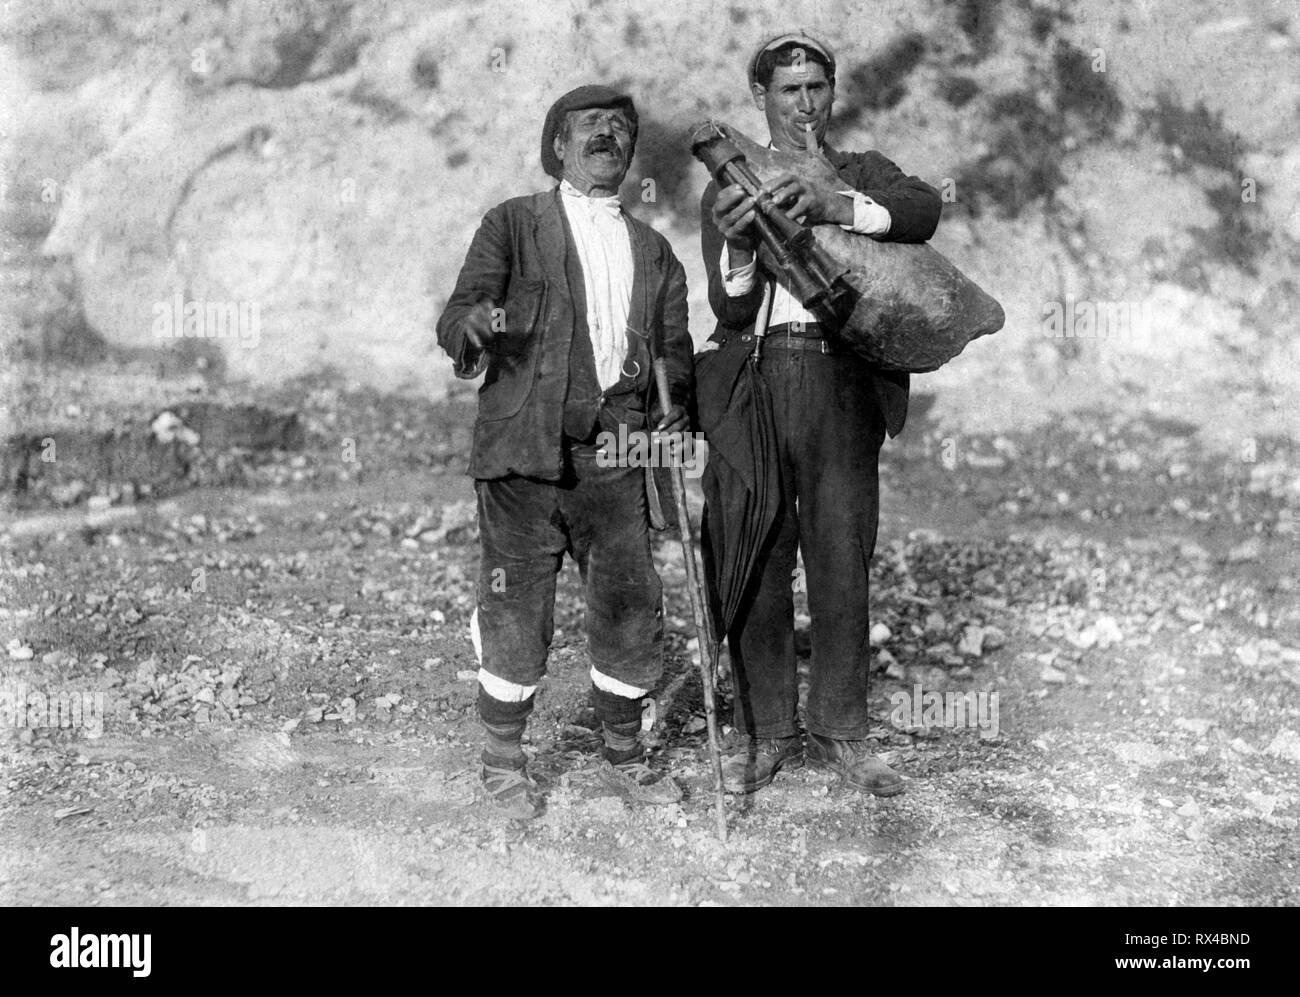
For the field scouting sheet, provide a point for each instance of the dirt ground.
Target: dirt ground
(287, 692)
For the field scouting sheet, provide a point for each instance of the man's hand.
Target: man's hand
(733, 215)
(478, 325)
(672, 426)
(674, 421)
(810, 202)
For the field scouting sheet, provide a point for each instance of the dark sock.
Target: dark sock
(615, 709)
(621, 744)
(504, 723)
(620, 722)
(504, 747)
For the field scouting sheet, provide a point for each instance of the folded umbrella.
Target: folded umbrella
(741, 482)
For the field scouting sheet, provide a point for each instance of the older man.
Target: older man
(560, 302)
(830, 412)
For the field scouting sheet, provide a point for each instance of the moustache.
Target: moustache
(603, 145)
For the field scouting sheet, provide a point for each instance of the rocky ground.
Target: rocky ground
(286, 678)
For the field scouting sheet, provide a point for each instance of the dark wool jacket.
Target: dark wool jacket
(914, 208)
(517, 261)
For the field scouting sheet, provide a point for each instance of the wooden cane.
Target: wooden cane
(706, 656)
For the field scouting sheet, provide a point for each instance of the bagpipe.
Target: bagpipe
(902, 306)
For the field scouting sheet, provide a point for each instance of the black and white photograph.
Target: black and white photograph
(796, 453)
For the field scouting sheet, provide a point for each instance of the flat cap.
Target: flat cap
(591, 95)
(795, 38)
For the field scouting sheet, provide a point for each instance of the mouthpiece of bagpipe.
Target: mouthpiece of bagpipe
(815, 277)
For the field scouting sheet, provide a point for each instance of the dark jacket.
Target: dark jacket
(914, 208)
(517, 261)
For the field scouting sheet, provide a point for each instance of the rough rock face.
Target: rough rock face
(261, 197)
(306, 176)
(314, 224)
(294, 184)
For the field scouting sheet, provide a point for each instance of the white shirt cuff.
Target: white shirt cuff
(869, 218)
(740, 281)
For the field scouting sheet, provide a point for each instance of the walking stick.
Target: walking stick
(707, 653)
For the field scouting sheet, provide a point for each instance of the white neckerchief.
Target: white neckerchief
(605, 253)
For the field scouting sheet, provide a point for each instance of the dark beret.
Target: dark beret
(580, 99)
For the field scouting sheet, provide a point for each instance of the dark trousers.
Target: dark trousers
(829, 430)
(598, 515)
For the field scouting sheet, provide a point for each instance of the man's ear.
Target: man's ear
(557, 147)
(760, 95)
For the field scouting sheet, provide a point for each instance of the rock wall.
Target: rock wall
(306, 176)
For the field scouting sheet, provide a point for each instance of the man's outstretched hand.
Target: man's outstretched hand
(478, 325)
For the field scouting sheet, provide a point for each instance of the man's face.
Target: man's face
(598, 150)
(797, 96)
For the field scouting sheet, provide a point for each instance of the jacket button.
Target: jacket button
(746, 338)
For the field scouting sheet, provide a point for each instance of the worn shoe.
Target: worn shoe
(855, 764)
(757, 761)
(637, 782)
(510, 792)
